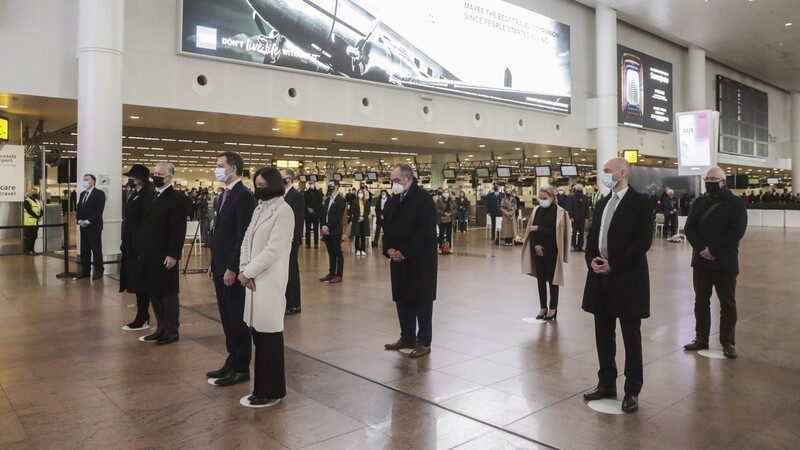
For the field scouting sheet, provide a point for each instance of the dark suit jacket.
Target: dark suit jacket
(410, 227)
(313, 199)
(379, 209)
(295, 199)
(333, 218)
(720, 231)
(92, 210)
(229, 229)
(578, 207)
(132, 215)
(625, 292)
(162, 233)
(493, 203)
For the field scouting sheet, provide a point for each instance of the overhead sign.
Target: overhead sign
(645, 90)
(697, 141)
(483, 49)
(12, 173)
(632, 156)
(3, 129)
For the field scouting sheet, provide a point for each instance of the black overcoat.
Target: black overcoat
(162, 234)
(132, 215)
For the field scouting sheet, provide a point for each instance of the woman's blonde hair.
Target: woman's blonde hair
(550, 192)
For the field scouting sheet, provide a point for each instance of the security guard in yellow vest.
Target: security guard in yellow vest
(31, 219)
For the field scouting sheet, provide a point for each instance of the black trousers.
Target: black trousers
(411, 315)
(333, 242)
(312, 224)
(493, 219)
(361, 237)
(29, 236)
(445, 233)
(269, 380)
(725, 285)
(461, 218)
(577, 233)
(230, 300)
(91, 250)
(167, 310)
(378, 228)
(606, 340)
(293, 286)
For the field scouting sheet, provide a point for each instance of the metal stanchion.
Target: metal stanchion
(66, 273)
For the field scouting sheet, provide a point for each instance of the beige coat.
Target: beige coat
(508, 227)
(265, 258)
(563, 237)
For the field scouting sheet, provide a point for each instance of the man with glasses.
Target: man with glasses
(716, 224)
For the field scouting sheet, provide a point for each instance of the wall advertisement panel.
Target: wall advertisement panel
(483, 49)
(645, 90)
(12, 173)
(697, 136)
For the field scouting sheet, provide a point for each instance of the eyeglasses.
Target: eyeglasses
(712, 179)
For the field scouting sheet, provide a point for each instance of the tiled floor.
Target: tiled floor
(70, 378)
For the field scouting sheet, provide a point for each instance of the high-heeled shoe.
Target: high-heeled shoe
(553, 317)
(139, 322)
(542, 313)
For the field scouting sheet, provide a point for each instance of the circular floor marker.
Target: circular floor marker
(141, 339)
(244, 402)
(607, 406)
(407, 351)
(127, 328)
(715, 354)
(212, 380)
(533, 320)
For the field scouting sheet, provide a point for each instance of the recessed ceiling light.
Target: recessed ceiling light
(788, 24)
(276, 129)
(135, 117)
(482, 145)
(517, 148)
(470, 156)
(441, 142)
(549, 151)
(201, 123)
(499, 157)
(394, 138)
(340, 134)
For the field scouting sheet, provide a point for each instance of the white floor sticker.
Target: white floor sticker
(607, 406)
(716, 354)
(244, 402)
(127, 328)
(407, 351)
(141, 339)
(212, 380)
(533, 320)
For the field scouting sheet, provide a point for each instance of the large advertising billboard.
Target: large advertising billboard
(645, 90)
(483, 49)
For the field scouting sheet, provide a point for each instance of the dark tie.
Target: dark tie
(155, 196)
(224, 196)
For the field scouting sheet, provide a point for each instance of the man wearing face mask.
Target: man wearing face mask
(410, 244)
(294, 199)
(160, 241)
(332, 230)
(578, 212)
(91, 204)
(714, 227)
(31, 219)
(493, 201)
(618, 281)
(234, 211)
(312, 198)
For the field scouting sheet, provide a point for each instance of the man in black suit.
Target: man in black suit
(234, 211)
(294, 199)
(161, 236)
(578, 212)
(410, 242)
(312, 197)
(618, 282)
(91, 204)
(333, 214)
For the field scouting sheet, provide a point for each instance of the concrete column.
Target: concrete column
(100, 32)
(696, 82)
(437, 164)
(607, 99)
(795, 141)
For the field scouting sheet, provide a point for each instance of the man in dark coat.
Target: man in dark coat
(312, 198)
(409, 240)
(716, 224)
(234, 212)
(132, 215)
(493, 201)
(91, 204)
(294, 199)
(618, 282)
(161, 238)
(578, 213)
(332, 229)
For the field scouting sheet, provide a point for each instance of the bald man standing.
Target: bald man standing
(618, 282)
(716, 224)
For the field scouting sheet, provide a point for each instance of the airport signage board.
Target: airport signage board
(482, 49)
(697, 136)
(12, 173)
(645, 90)
(3, 129)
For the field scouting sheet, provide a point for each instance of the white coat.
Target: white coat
(265, 258)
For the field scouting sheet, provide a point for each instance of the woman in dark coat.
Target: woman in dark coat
(359, 222)
(132, 212)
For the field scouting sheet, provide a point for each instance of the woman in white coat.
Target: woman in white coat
(264, 271)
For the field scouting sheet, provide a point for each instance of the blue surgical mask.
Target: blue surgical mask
(544, 203)
(220, 174)
(85, 184)
(608, 179)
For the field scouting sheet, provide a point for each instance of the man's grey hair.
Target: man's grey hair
(169, 167)
(405, 170)
(289, 174)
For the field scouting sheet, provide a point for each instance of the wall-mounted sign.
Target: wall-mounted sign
(632, 156)
(12, 173)
(3, 129)
(697, 141)
(285, 164)
(483, 49)
(645, 90)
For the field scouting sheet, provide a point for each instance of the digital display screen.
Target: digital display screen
(744, 118)
(569, 170)
(482, 172)
(645, 90)
(303, 178)
(358, 176)
(3, 129)
(337, 177)
(372, 176)
(449, 173)
(543, 171)
(503, 172)
(773, 181)
(313, 177)
(421, 44)
(696, 135)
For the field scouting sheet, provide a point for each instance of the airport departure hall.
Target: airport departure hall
(368, 224)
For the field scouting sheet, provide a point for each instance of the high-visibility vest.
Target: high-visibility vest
(29, 220)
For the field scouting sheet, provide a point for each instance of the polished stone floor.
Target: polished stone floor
(71, 378)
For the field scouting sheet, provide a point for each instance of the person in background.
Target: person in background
(65, 202)
(132, 216)
(669, 206)
(359, 222)
(380, 204)
(578, 212)
(90, 219)
(31, 219)
(493, 208)
(545, 249)
(332, 230)
(312, 198)
(201, 206)
(562, 198)
(508, 207)
(462, 212)
(445, 211)
(264, 272)
(294, 199)
(597, 195)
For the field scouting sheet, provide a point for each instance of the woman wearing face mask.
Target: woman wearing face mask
(359, 222)
(508, 209)
(544, 252)
(264, 271)
(131, 221)
(380, 203)
(445, 211)
(462, 212)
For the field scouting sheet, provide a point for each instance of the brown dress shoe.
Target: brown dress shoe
(326, 278)
(335, 280)
(419, 351)
(696, 345)
(729, 351)
(398, 345)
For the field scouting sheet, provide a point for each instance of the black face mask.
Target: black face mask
(712, 187)
(35, 196)
(330, 189)
(131, 183)
(261, 193)
(158, 181)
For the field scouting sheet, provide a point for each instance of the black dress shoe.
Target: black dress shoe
(167, 340)
(630, 403)
(233, 378)
(139, 322)
(598, 393)
(263, 401)
(219, 373)
(157, 336)
(292, 311)
(81, 276)
(696, 344)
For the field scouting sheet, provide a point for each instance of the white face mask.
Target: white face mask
(608, 179)
(360, 195)
(445, 194)
(219, 173)
(398, 188)
(312, 187)
(544, 203)
(85, 184)
(383, 196)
